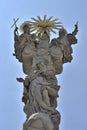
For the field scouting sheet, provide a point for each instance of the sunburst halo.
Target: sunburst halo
(45, 25)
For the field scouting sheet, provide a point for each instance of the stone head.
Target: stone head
(62, 32)
(25, 27)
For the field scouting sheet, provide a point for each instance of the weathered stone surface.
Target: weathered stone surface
(42, 60)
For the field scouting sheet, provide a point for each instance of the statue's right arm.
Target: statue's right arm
(15, 35)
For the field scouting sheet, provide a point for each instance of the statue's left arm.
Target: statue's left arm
(76, 29)
(72, 36)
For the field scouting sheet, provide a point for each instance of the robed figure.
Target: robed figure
(42, 59)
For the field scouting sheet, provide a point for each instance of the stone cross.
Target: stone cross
(14, 24)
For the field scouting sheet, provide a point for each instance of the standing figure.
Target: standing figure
(61, 50)
(25, 47)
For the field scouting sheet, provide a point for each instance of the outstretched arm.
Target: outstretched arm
(76, 29)
(72, 36)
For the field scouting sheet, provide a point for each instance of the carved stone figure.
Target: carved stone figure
(61, 50)
(42, 60)
(25, 47)
(39, 121)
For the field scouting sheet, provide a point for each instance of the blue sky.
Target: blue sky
(72, 101)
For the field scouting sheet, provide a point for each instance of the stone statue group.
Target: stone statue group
(42, 59)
